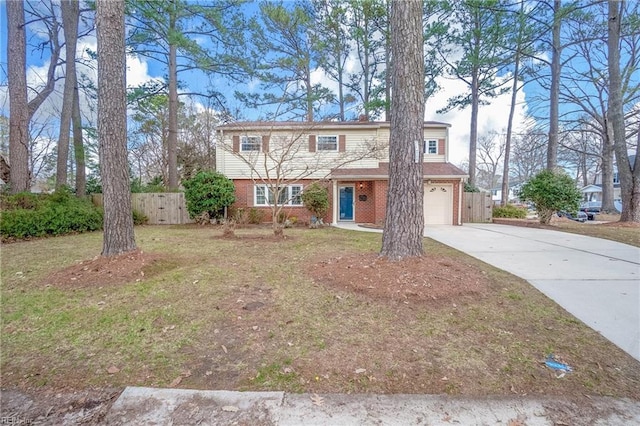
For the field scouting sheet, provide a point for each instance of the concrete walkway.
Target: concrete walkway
(596, 280)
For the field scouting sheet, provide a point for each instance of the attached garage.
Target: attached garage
(438, 204)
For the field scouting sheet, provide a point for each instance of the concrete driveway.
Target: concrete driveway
(596, 280)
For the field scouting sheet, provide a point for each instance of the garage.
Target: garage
(438, 204)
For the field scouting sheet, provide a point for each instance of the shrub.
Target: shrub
(470, 188)
(315, 198)
(510, 211)
(139, 218)
(208, 192)
(255, 216)
(551, 192)
(55, 214)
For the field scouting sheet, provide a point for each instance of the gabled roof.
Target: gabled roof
(429, 170)
(311, 125)
(591, 188)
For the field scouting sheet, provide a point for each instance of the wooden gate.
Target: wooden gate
(477, 207)
(161, 208)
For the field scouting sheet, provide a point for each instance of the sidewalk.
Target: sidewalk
(189, 407)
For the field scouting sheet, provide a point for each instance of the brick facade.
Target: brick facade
(370, 201)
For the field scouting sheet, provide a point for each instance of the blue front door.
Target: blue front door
(346, 203)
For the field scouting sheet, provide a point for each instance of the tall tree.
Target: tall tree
(282, 40)
(331, 39)
(367, 27)
(629, 175)
(554, 94)
(477, 36)
(19, 118)
(168, 32)
(112, 128)
(78, 145)
(404, 224)
(70, 15)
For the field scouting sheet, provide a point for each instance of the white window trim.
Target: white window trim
(289, 199)
(426, 146)
(246, 138)
(327, 136)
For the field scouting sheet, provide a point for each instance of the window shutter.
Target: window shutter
(265, 143)
(342, 143)
(441, 146)
(312, 143)
(236, 143)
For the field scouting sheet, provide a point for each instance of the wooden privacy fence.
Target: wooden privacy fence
(476, 207)
(161, 208)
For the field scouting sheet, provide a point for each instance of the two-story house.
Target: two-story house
(351, 157)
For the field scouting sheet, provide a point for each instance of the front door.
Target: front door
(346, 202)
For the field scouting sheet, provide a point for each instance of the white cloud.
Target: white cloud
(493, 117)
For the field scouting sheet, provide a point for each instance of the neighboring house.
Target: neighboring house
(352, 157)
(593, 192)
(496, 193)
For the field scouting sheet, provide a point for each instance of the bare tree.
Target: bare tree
(404, 224)
(629, 175)
(70, 15)
(112, 128)
(491, 151)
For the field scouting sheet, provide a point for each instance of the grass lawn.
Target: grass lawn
(253, 313)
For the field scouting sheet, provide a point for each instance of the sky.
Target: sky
(491, 117)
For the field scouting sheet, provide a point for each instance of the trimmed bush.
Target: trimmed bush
(510, 211)
(315, 198)
(55, 214)
(551, 192)
(208, 192)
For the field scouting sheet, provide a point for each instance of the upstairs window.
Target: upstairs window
(430, 147)
(327, 143)
(250, 143)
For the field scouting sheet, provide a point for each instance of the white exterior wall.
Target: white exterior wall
(357, 141)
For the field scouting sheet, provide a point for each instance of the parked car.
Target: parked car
(580, 216)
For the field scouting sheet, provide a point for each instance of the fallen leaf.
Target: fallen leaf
(360, 371)
(317, 399)
(208, 373)
(444, 379)
(230, 408)
(176, 382)
(113, 369)
(224, 348)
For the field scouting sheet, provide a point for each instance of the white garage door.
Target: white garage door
(438, 204)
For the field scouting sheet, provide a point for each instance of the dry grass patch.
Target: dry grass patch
(316, 312)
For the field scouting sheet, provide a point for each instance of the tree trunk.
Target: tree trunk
(514, 94)
(404, 224)
(78, 145)
(19, 115)
(172, 142)
(112, 128)
(70, 15)
(629, 179)
(607, 168)
(473, 129)
(554, 97)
